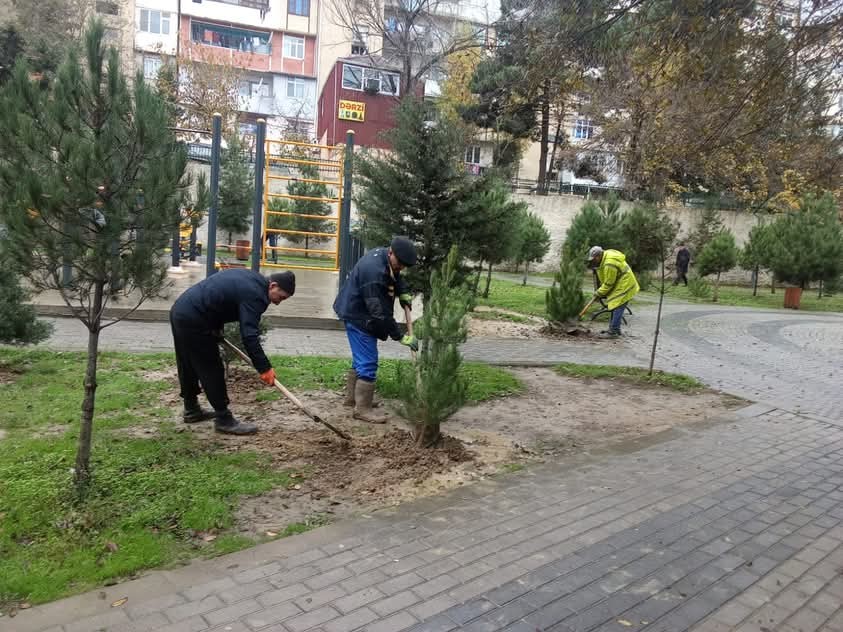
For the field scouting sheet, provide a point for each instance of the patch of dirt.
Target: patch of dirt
(560, 415)
(381, 467)
(53, 430)
(483, 328)
(535, 328)
(162, 375)
(9, 375)
(2, 434)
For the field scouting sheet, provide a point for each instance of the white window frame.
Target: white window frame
(472, 155)
(367, 74)
(251, 88)
(583, 128)
(292, 44)
(163, 21)
(298, 85)
(349, 86)
(157, 62)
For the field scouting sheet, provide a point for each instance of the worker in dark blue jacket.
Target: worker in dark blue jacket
(366, 303)
(197, 319)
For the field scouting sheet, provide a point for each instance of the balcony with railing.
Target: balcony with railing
(224, 45)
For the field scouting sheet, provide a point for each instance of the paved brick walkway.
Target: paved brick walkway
(735, 526)
(731, 525)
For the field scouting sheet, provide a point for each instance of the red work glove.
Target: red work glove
(268, 377)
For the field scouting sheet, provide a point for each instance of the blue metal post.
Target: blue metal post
(216, 142)
(257, 209)
(345, 212)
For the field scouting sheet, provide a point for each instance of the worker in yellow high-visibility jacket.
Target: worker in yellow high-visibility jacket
(617, 284)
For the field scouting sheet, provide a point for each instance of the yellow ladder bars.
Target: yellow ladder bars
(306, 150)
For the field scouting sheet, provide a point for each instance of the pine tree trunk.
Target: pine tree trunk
(526, 272)
(772, 285)
(229, 241)
(306, 246)
(755, 274)
(820, 293)
(479, 270)
(192, 256)
(426, 435)
(82, 475)
(488, 281)
(658, 325)
(717, 288)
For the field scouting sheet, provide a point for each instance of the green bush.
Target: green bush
(698, 287)
(565, 298)
(645, 280)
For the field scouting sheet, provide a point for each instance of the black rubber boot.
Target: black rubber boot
(228, 424)
(194, 413)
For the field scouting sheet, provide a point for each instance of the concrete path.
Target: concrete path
(732, 525)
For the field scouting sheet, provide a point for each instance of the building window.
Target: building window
(472, 155)
(255, 88)
(583, 128)
(370, 79)
(151, 67)
(293, 47)
(154, 22)
(298, 7)
(107, 8)
(391, 24)
(352, 77)
(358, 44)
(230, 37)
(295, 87)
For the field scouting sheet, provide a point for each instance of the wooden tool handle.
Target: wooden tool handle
(290, 396)
(587, 305)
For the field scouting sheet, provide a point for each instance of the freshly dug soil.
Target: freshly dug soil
(331, 478)
(535, 328)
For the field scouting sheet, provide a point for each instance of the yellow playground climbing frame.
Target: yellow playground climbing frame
(287, 163)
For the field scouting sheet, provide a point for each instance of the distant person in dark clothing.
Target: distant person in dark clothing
(683, 260)
(272, 240)
(197, 319)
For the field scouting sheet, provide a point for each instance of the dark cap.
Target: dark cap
(285, 280)
(404, 250)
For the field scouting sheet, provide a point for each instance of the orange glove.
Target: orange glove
(268, 377)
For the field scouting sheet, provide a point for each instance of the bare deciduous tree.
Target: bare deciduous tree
(209, 82)
(415, 35)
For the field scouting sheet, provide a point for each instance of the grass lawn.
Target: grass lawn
(530, 299)
(742, 297)
(526, 299)
(156, 499)
(632, 375)
(498, 315)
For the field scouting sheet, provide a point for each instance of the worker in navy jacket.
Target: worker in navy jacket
(197, 319)
(366, 304)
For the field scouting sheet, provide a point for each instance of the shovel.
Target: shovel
(290, 396)
(585, 309)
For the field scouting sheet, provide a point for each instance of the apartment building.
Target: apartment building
(365, 48)
(271, 44)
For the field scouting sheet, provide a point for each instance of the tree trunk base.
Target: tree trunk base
(426, 435)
